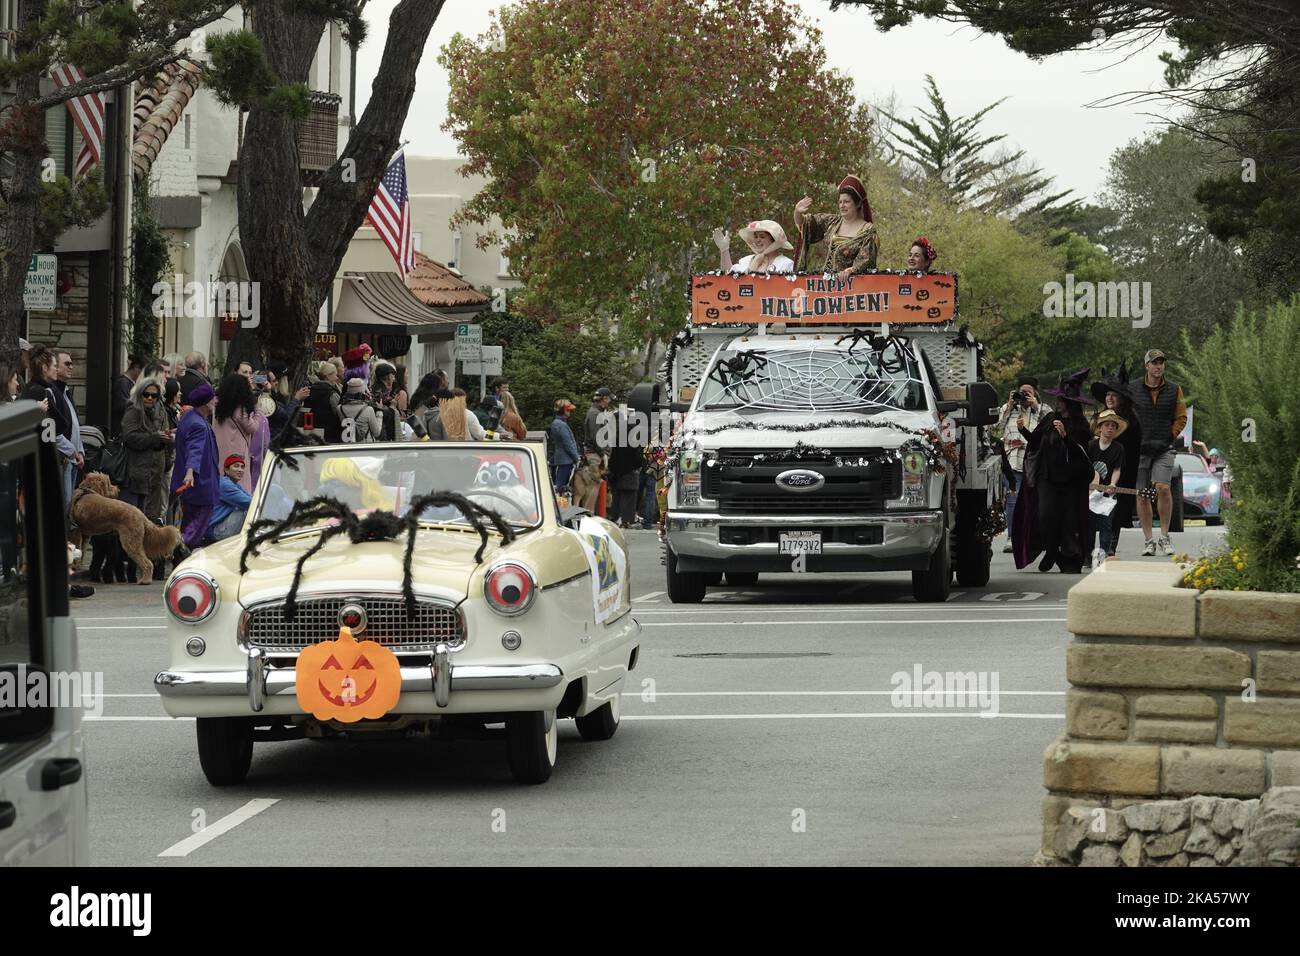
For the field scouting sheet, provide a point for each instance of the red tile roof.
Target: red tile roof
(160, 101)
(436, 285)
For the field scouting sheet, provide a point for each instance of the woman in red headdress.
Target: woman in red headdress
(852, 242)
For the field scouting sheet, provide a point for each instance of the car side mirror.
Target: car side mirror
(570, 516)
(981, 403)
(644, 398)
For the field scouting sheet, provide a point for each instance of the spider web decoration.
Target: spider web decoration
(375, 526)
(813, 378)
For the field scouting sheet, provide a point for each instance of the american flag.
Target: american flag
(390, 214)
(88, 113)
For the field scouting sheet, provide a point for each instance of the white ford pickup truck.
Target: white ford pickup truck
(827, 443)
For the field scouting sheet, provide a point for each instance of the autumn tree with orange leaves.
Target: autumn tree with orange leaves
(616, 137)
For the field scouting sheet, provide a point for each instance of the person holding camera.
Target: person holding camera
(287, 401)
(1020, 416)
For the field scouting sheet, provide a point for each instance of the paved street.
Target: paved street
(758, 729)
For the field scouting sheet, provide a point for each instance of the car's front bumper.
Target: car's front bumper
(426, 688)
(906, 541)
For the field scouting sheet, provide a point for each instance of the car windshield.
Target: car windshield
(814, 377)
(1192, 464)
(388, 477)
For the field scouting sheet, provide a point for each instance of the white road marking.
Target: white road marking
(646, 597)
(137, 617)
(1024, 596)
(817, 693)
(963, 607)
(954, 595)
(227, 823)
(933, 620)
(123, 627)
(975, 714)
(88, 697)
(900, 713)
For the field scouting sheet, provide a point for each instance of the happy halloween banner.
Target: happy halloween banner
(814, 299)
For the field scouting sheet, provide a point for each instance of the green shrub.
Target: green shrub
(1245, 385)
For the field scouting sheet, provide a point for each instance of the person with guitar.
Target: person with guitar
(1108, 461)
(1112, 391)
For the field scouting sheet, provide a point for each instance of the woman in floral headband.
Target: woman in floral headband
(921, 256)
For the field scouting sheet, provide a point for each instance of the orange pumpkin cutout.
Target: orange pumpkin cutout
(346, 680)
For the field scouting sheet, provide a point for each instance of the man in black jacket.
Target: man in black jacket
(122, 392)
(324, 402)
(597, 436)
(196, 374)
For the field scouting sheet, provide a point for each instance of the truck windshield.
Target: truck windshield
(815, 377)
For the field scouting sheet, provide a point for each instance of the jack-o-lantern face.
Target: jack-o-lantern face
(346, 680)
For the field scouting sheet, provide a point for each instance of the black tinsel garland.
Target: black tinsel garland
(927, 441)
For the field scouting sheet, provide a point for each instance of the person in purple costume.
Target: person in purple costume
(196, 478)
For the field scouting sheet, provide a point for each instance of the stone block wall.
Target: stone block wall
(66, 326)
(1172, 694)
(1194, 832)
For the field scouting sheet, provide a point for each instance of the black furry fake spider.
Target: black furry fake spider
(734, 371)
(858, 336)
(878, 345)
(291, 436)
(376, 526)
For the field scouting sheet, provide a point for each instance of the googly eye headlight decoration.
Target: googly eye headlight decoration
(191, 597)
(509, 589)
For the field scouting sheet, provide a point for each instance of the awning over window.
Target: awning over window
(378, 303)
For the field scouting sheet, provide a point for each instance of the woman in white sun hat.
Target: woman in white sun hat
(767, 240)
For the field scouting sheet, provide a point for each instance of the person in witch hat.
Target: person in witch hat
(1112, 391)
(1052, 509)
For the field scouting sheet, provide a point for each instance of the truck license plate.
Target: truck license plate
(801, 542)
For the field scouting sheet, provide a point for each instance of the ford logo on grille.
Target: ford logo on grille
(800, 479)
(353, 616)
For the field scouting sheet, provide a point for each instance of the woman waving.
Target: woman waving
(852, 242)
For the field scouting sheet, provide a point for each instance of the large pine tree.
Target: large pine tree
(951, 153)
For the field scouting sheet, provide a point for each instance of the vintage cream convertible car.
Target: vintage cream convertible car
(401, 587)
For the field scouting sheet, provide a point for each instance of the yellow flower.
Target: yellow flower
(1237, 589)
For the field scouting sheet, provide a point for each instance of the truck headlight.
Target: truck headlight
(688, 476)
(913, 494)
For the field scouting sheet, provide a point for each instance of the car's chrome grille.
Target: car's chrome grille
(317, 619)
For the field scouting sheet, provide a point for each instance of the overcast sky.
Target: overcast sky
(1046, 113)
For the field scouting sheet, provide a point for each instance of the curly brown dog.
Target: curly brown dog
(96, 510)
